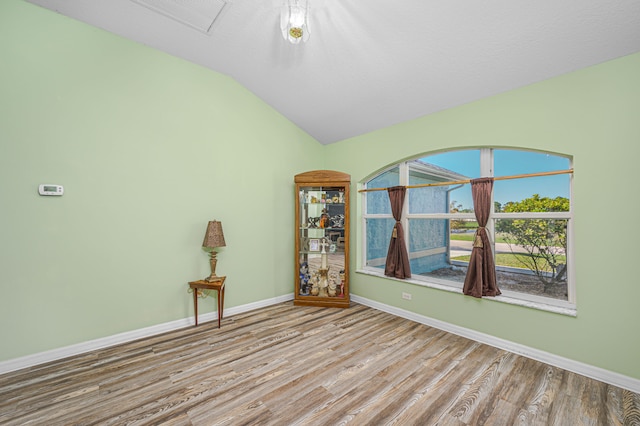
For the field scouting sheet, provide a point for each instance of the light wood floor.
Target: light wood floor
(286, 365)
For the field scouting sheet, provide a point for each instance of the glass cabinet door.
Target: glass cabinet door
(322, 244)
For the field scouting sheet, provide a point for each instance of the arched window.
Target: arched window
(530, 225)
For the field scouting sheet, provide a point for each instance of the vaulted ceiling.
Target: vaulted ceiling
(369, 64)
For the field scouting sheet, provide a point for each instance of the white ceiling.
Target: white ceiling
(372, 63)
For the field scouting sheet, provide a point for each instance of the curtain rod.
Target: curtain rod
(462, 182)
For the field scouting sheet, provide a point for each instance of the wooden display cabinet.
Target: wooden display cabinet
(322, 239)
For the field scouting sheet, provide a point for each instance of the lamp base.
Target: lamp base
(212, 262)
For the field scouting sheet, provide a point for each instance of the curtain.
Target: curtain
(481, 273)
(397, 264)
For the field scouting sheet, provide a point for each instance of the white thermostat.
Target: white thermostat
(48, 189)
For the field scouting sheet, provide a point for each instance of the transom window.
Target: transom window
(530, 225)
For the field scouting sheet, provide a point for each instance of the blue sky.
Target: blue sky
(507, 163)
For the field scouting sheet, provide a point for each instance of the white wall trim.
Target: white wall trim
(587, 370)
(116, 339)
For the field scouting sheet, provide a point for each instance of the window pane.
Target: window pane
(443, 167)
(531, 256)
(458, 254)
(440, 199)
(539, 194)
(378, 201)
(428, 200)
(464, 162)
(508, 162)
(536, 194)
(433, 250)
(378, 237)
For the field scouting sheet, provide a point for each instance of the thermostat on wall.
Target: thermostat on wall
(48, 189)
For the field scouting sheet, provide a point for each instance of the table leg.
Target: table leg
(195, 304)
(219, 311)
(222, 304)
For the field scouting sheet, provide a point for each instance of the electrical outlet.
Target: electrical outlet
(406, 296)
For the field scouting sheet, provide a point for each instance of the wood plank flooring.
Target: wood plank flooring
(286, 365)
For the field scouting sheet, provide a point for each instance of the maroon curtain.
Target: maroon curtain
(481, 274)
(397, 264)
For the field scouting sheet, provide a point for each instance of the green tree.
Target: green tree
(545, 240)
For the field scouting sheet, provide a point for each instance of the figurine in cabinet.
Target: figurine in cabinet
(315, 282)
(337, 221)
(324, 221)
(313, 222)
(304, 278)
(333, 286)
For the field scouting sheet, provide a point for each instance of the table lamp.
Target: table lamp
(212, 239)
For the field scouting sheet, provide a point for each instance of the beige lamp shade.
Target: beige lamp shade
(214, 236)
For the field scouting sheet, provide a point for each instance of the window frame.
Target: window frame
(486, 170)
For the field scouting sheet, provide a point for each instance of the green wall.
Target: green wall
(149, 148)
(593, 115)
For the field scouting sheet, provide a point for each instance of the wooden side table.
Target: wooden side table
(217, 285)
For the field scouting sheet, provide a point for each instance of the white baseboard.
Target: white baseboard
(587, 370)
(92, 345)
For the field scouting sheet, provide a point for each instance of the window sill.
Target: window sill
(562, 310)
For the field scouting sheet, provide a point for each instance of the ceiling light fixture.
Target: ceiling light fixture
(294, 21)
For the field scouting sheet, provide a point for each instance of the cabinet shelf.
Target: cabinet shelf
(322, 204)
(319, 253)
(303, 228)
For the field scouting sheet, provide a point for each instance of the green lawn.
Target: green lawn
(471, 236)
